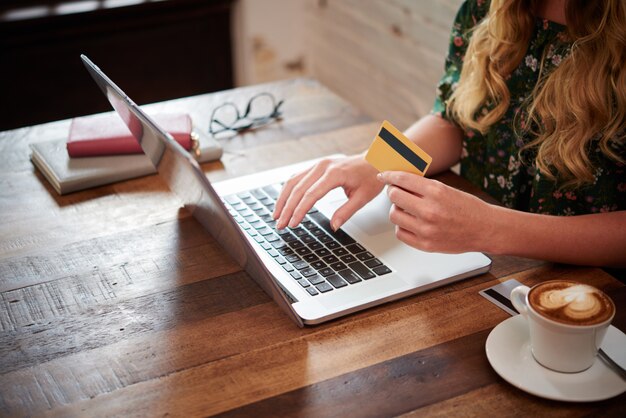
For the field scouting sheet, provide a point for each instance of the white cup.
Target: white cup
(558, 346)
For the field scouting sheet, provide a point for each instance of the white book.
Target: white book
(69, 175)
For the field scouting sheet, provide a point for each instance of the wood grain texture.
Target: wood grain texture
(116, 302)
(384, 56)
(426, 382)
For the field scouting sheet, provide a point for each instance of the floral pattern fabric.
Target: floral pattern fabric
(492, 161)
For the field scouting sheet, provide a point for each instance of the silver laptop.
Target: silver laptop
(313, 273)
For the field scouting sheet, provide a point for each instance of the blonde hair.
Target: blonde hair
(582, 100)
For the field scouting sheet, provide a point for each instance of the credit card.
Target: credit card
(392, 151)
(500, 295)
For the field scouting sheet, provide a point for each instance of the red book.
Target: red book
(108, 135)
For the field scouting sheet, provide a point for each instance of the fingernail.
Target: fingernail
(337, 224)
(293, 223)
(379, 176)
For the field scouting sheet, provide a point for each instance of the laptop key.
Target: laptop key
(288, 237)
(374, 262)
(296, 244)
(316, 231)
(292, 258)
(336, 281)
(381, 270)
(246, 213)
(279, 245)
(312, 291)
(350, 276)
(355, 248)
(361, 270)
(288, 268)
(340, 251)
(307, 239)
(266, 246)
(324, 287)
(364, 256)
(259, 239)
(309, 258)
(348, 258)
(303, 251)
(299, 231)
(323, 252)
(326, 271)
(285, 251)
(316, 246)
(257, 224)
(280, 260)
(338, 266)
(309, 225)
(300, 265)
(330, 259)
(340, 235)
(271, 192)
(325, 238)
(258, 193)
(296, 275)
(332, 245)
(318, 265)
(303, 283)
(265, 231)
(272, 238)
(317, 279)
(306, 272)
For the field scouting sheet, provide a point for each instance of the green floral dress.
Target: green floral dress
(491, 161)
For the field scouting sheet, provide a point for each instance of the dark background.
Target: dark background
(153, 50)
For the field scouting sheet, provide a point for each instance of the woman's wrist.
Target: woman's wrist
(498, 229)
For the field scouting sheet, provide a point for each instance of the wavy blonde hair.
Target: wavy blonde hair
(582, 100)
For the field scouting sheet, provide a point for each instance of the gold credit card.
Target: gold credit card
(392, 151)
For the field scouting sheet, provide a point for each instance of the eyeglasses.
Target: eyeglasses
(260, 110)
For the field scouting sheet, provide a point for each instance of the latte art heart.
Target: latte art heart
(571, 303)
(577, 302)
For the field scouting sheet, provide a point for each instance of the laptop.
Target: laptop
(311, 272)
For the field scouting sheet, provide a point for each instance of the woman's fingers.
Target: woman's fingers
(413, 183)
(355, 202)
(323, 185)
(296, 191)
(285, 192)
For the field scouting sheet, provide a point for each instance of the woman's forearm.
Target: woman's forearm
(597, 239)
(440, 139)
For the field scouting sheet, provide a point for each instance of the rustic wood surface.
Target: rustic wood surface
(115, 302)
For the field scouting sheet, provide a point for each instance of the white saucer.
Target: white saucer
(508, 351)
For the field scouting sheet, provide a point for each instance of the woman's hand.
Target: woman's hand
(301, 192)
(433, 217)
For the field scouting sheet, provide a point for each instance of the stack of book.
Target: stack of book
(100, 150)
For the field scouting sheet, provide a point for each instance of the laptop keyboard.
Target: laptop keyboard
(315, 256)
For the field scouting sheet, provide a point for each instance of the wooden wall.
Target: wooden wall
(384, 56)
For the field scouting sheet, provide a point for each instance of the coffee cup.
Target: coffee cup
(567, 322)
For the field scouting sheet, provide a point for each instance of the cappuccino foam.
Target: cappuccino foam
(571, 303)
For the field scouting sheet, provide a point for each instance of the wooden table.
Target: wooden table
(115, 301)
